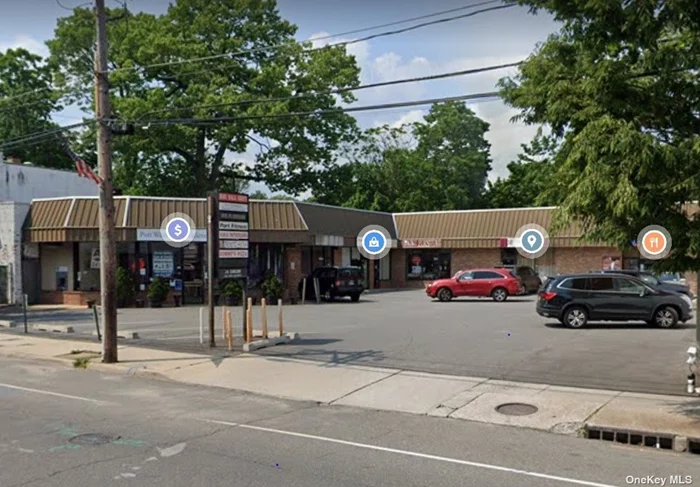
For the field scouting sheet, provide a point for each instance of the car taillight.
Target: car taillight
(337, 283)
(548, 296)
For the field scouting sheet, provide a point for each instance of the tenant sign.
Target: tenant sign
(422, 243)
(232, 235)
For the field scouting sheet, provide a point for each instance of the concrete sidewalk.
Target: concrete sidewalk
(558, 409)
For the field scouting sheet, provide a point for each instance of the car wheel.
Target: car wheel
(666, 317)
(444, 295)
(354, 297)
(499, 294)
(576, 317)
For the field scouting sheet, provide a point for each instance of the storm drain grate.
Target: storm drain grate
(516, 409)
(91, 439)
(636, 438)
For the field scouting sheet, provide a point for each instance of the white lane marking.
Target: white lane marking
(49, 393)
(438, 458)
(172, 450)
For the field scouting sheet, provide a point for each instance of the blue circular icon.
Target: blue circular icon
(178, 229)
(532, 241)
(374, 242)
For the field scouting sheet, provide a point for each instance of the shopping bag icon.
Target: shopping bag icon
(373, 242)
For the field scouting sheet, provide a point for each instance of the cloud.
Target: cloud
(358, 49)
(26, 42)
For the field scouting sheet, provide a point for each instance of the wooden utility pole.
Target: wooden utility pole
(108, 257)
(211, 248)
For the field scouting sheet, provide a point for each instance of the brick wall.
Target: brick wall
(582, 259)
(292, 271)
(472, 258)
(398, 268)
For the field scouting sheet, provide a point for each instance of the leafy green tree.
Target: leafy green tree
(529, 177)
(27, 101)
(618, 85)
(246, 52)
(438, 164)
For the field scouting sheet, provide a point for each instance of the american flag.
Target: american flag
(84, 170)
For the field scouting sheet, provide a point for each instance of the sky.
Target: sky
(498, 37)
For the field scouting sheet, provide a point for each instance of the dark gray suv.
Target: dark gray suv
(579, 298)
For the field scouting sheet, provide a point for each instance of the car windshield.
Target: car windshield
(649, 279)
(669, 276)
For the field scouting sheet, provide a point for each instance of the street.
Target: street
(467, 337)
(147, 432)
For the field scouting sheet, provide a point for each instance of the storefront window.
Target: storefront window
(428, 264)
(88, 266)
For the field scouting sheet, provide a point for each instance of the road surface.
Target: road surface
(81, 428)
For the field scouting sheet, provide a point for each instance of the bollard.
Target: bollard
(249, 321)
(223, 321)
(25, 303)
(263, 312)
(317, 290)
(280, 323)
(201, 326)
(303, 291)
(229, 330)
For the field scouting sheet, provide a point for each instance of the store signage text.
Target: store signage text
(232, 235)
(227, 235)
(233, 254)
(234, 244)
(154, 235)
(235, 207)
(233, 226)
(422, 243)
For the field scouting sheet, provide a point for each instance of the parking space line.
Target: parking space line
(57, 394)
(486, 466)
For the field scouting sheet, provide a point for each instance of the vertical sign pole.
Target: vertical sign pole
(25, 302)
(211, 245)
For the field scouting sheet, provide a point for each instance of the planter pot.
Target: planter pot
(232, 300)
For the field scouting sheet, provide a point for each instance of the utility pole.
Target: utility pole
(108, 252)
(211, 257)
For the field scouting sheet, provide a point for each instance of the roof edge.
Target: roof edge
(343, 208)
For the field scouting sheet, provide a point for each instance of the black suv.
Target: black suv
(576, 299)
(334, 282)
(652, 281)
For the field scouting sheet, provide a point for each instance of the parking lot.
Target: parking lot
(475, 337)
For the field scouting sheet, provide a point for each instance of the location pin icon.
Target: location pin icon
(531, 240)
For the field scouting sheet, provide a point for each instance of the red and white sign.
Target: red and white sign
(233, 197)
(233, 244)
(422, 243)
(233, 254)
(233, 226)
(226, 235)
(237, 207)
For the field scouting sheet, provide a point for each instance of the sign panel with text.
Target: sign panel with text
(232, 235)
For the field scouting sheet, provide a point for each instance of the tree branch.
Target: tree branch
(218, 160)
(261, 145)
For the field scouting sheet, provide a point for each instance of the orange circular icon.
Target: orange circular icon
(654, 242)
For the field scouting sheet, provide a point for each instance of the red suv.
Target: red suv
(497, 283)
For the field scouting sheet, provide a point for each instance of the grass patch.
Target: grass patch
(81, 362)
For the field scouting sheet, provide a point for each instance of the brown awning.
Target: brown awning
(150, 212)
(276, 216)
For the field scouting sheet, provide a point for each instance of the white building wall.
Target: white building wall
(12, 217)
(22, 183)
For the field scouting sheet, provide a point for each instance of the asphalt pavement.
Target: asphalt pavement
(75, 428)
(469, 337)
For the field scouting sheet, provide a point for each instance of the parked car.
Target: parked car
(530, 279)
(656, 282)
(497, 283)
(334, 282)
(579, 298)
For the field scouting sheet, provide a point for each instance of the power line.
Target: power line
(23, 94)
(340, 90)
(338, 44)
(334, 111)
(40, 136)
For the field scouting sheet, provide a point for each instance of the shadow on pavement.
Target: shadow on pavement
(329, 357)
(486, 300)
(690, 409)
(621, 326)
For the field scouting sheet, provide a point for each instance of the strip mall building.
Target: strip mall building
(60, 262)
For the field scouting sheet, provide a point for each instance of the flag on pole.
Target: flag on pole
(84, 170)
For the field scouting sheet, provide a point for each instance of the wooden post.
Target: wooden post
(108, 246)
(303, 291)
(249, 322)
(224, 329)
(280, 321)
(263, 312)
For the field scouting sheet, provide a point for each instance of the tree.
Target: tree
(618, 85)
(246, 52)
(438, 164)
(528, 178)
(27, 101)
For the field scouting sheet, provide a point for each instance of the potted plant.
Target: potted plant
(157, 293)
(232, 292)
(272, 288)
(125, 288)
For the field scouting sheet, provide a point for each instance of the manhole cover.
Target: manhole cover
(91, 439)
(516, 409)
